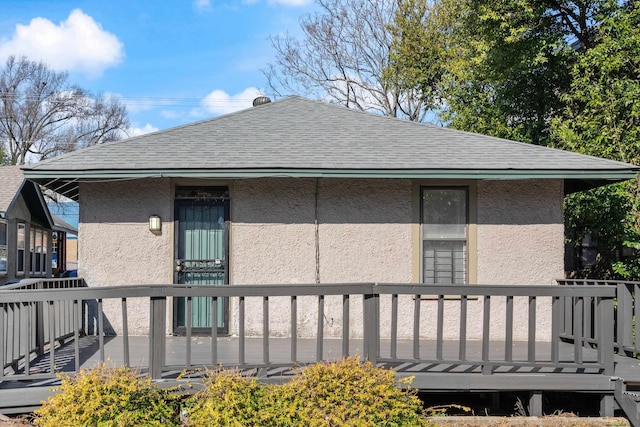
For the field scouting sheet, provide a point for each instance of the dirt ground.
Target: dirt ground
(548, 421)
(464, 421)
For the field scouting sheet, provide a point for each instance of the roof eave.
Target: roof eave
(502, 174)
(66, 182)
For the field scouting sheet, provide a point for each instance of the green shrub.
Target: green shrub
(340, 394)
(109, 397)
(346, 393)
(228, 399)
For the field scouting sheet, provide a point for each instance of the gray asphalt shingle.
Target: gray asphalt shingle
(11, 179)
(295, 133)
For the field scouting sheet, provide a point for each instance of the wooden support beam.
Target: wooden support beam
(535, 403)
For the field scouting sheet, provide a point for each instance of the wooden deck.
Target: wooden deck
(587, 352)
(429, 377)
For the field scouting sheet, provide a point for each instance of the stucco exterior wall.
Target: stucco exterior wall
(521, 241)
(365, 232)
(115, 246)
(520, 232)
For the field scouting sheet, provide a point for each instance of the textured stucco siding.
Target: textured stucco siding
(115, 246)
(363, 234)
(521, 241)
(520, 232)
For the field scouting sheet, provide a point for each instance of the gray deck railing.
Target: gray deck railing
(433, 305)
(32, 327)
(626, 311)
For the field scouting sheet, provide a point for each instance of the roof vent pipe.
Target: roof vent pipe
(261, 100)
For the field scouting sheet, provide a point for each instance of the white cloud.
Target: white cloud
(219, 102)
(77, 44)
(135, 131)
(140, 104)
(288, 3)
(170, 114)
(294, 3)
(202, 5)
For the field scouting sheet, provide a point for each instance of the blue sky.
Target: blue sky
(171, 61)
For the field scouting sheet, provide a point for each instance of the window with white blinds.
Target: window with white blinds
(444, 235)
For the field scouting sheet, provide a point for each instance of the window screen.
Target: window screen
(444, 235)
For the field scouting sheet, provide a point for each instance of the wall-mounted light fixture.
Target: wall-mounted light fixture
(155, 224)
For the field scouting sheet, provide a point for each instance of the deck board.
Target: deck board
(431, 376)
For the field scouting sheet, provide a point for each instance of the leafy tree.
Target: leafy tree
(500, 66)
(42, 115)
(418, 50)
(602, 118)
(341, 56)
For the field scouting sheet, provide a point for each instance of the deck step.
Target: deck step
(629, 402)
(633, 395)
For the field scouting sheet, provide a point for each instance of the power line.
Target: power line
(156, 99)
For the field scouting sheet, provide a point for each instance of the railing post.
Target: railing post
(39, 324)
(624, 316)
(605, 334)
(370, 327)
(157, 333)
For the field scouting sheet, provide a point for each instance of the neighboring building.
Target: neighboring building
(65, 246)
(298, 191)
(25, 228)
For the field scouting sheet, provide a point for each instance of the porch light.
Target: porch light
(155, 224)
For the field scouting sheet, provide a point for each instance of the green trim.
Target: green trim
(607, 174)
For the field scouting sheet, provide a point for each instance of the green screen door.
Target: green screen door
(201, 258)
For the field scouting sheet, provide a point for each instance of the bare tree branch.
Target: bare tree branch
(42, 115)
(341, 57)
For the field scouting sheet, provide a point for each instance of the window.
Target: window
(38, 267)
(22, 240)
(3, 247)
(445, 235)
(45, 260)
(32, 250)
(38, 251)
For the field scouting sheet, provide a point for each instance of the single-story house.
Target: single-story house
(28, 232)
(299, 191)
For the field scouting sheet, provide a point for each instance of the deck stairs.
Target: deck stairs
(629, 401)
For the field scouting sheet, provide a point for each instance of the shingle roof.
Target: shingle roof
(12, 183)
(60, 224)
(299, 137)
(11, 179)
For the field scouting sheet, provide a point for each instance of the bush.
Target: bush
(344, 393)
(340, 394)
(109, 397)
(228, 399)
